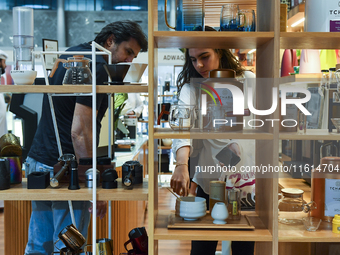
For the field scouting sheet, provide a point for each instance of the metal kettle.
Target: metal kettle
(78, 71)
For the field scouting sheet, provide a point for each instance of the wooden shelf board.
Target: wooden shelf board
(231, 40)
(305, 78)
(196, 134)
(300, 234)
(309, 40)
(259, 234)
(311, 134)
(20, 192)
(73, 89)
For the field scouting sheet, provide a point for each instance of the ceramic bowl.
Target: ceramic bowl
(167, 142)
(191, 208)
(23, 77)
(311, 223)
(117, 72)
(135, 72)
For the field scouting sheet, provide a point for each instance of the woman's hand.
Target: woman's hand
(101, 209)
(180, 180)
(235, 148)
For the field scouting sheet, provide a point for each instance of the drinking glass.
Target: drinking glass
(181, 117)
(302, 122)
(247, 20)
(229, 20)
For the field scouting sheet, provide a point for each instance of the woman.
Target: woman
(198, 63)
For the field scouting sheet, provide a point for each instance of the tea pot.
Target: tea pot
(189, 15)
(78, 71)
(292, 207)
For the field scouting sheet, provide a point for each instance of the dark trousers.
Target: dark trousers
(209, 247)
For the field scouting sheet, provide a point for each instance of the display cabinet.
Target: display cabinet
(266, 41)
(126, 203)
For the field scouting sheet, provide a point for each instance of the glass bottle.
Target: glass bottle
(325, 78)
(234, 204)
(332, 78)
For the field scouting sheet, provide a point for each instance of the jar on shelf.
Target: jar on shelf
(292, 207)
(326, 188)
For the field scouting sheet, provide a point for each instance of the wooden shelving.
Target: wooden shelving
(73, 89)
(311, 134)
(196, 134)
(231, 40)
(20, 192)
(301, 78)
(309, 40)
(259, 234)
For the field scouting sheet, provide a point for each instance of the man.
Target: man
(3, 123)
(124, 39)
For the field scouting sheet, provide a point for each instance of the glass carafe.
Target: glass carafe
(78, 71)
(292, 207)
(181, 117)
(189, 15)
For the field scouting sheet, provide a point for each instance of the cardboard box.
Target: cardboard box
(283, 18)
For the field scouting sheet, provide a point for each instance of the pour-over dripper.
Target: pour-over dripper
(117, 72)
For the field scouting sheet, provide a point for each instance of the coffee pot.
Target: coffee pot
(189, 15)
(139, 241)
(72, 239)
(78, 71)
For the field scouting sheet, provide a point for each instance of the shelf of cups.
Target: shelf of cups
(260, 233)
(309, 40)
(20, 192)
(73, 89)
(225, 39)
(197, 134)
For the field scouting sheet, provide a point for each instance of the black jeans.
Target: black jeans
(209, 247)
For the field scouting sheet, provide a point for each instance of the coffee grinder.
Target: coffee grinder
(23, 38)
(130, 122)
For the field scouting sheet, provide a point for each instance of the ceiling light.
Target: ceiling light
(127, 7)
(37, 6)
(298, 22)
(251, 51)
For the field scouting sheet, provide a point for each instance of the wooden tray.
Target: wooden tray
(206, 222)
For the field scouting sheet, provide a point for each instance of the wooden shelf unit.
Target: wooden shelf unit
(267, 43)
(20, 192)
(126, 203)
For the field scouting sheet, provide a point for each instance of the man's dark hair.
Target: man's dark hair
(123, 31)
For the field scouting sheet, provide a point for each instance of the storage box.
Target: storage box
(283, 18)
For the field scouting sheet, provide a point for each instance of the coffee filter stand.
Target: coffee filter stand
(102, 51)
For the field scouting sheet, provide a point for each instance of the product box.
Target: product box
(283, 18)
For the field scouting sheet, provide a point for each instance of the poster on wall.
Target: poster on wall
(50, 45)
